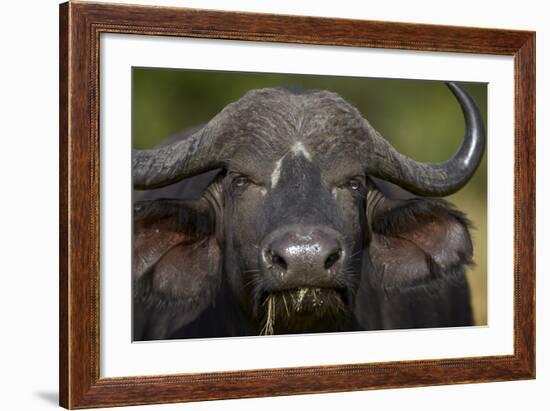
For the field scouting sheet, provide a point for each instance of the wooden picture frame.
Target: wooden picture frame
(80, 27)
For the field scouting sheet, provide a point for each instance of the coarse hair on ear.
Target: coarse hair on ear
(176, 262)
(419, 242)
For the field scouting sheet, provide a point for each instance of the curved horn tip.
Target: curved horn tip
(459, 91)
(441, 179)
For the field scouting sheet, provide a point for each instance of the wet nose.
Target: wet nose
(305, 256)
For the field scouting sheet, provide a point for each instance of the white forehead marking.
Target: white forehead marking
(276, 172)
(296, 149)
(299, 148)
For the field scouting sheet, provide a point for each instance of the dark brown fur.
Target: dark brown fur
(406, 258)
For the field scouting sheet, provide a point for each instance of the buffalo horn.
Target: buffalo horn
(431, 179)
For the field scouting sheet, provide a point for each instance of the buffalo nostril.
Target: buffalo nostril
(278, 261)
(332, 259)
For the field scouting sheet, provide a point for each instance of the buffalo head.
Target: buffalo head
(293, 234)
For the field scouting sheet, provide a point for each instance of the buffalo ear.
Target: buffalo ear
(176, 264)
(419, 242)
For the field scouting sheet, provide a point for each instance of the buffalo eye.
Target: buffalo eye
(239, 183)
(354, 184)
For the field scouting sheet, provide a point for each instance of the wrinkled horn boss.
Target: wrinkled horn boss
(204, 151)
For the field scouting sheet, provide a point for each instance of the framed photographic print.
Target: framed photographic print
(256, 205)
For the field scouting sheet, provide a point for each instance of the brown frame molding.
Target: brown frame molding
(80, 27)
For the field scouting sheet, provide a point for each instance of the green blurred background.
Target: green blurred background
(420, 118)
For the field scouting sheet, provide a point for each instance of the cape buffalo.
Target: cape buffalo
(295, 231)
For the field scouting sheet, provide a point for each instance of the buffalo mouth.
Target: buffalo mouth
(304, 309)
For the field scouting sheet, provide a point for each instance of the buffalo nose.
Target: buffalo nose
(303, 257)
